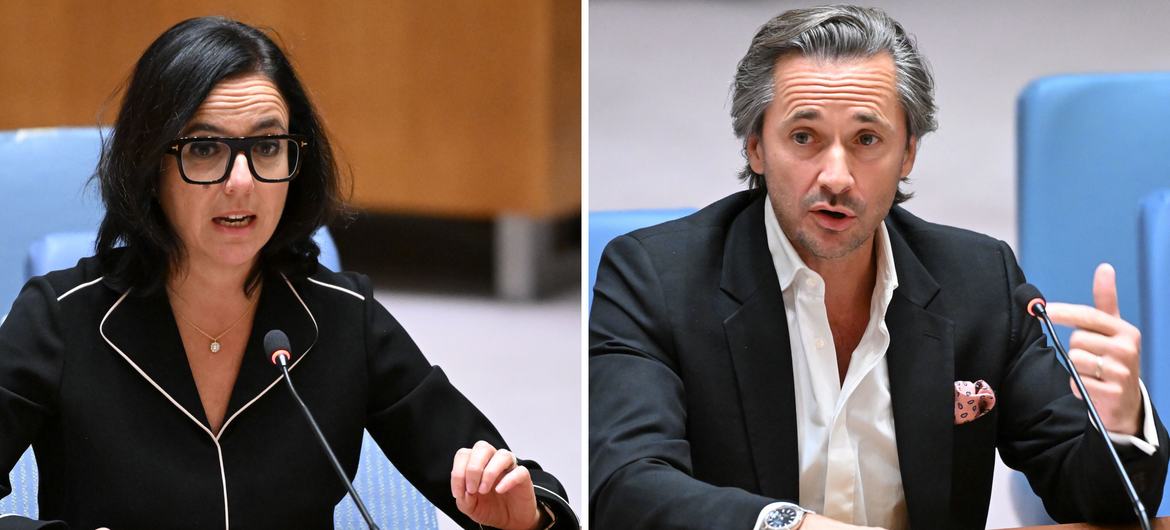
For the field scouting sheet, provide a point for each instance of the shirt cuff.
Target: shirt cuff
(1148, 440)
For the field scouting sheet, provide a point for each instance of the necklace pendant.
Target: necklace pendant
(215, 346)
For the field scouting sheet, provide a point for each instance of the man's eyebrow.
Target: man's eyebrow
(804, 114)
(870, 117)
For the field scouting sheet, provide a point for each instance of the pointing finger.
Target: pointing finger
(1085, 317)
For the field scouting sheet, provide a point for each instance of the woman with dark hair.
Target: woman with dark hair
(138, 376)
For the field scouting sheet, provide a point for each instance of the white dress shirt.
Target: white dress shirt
(837, 421)
(845, 432)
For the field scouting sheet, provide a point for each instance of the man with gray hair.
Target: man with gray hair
(807, 354)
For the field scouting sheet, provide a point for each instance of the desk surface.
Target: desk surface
(1160, 523)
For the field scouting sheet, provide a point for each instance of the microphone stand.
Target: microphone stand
(283, 362)
(1138, 508)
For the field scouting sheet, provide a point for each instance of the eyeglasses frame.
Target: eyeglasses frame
(236, 145)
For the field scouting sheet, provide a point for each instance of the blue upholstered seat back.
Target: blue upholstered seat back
(604, 226)
(1090, 147)
(43, 174)
(1155, 298)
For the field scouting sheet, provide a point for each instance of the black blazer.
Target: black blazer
(692, 422)
(95, 377)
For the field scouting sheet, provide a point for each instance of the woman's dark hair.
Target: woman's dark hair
(169, 83)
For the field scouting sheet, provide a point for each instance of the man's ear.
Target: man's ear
(908, 158)
(755, 153)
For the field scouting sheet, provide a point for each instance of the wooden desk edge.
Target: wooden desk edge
(1159, 523)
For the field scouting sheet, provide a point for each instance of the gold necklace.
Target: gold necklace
(215, 346)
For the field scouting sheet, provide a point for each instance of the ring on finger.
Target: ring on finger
(1100, 363)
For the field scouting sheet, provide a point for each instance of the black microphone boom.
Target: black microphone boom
(1029, 296)
(277, 347)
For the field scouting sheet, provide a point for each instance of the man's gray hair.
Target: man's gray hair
(829, 33)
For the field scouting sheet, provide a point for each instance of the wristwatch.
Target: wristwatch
(781, 516)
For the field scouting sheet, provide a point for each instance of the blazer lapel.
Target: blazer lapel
(142, 330)
(280, 307)
(757, 338)
(920, 360)
(921, 367)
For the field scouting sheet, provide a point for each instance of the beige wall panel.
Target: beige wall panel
(564, 187)
(462, 108)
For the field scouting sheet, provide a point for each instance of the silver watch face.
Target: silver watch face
(781, 518)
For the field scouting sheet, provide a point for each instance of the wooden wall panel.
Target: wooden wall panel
(462, 108)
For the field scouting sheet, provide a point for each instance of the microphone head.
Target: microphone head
(1028, 296)
(276, 345)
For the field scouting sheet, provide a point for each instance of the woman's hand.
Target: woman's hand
(491, 489)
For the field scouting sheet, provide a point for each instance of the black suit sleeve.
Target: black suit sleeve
(31, 357)
(420, 420)
(14, 522)
(640, 472)
(1045, 432)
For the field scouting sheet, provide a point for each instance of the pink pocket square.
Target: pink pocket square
(972, 400)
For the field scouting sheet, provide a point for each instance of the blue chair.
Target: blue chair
(43, 188)
(44, 171)
(1155, 280)
(391, 500)
(1090, 147)
(604, 226)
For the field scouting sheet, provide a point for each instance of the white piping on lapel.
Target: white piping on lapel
(102, 330)
(316, 332)
(227, 522)
(79, 287)
(214, 438)
(342, 289)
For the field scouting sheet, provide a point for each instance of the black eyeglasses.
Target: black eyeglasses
(209, 159)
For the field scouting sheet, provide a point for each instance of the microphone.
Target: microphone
(1029, 296)
(277, 347)
(276, 344)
